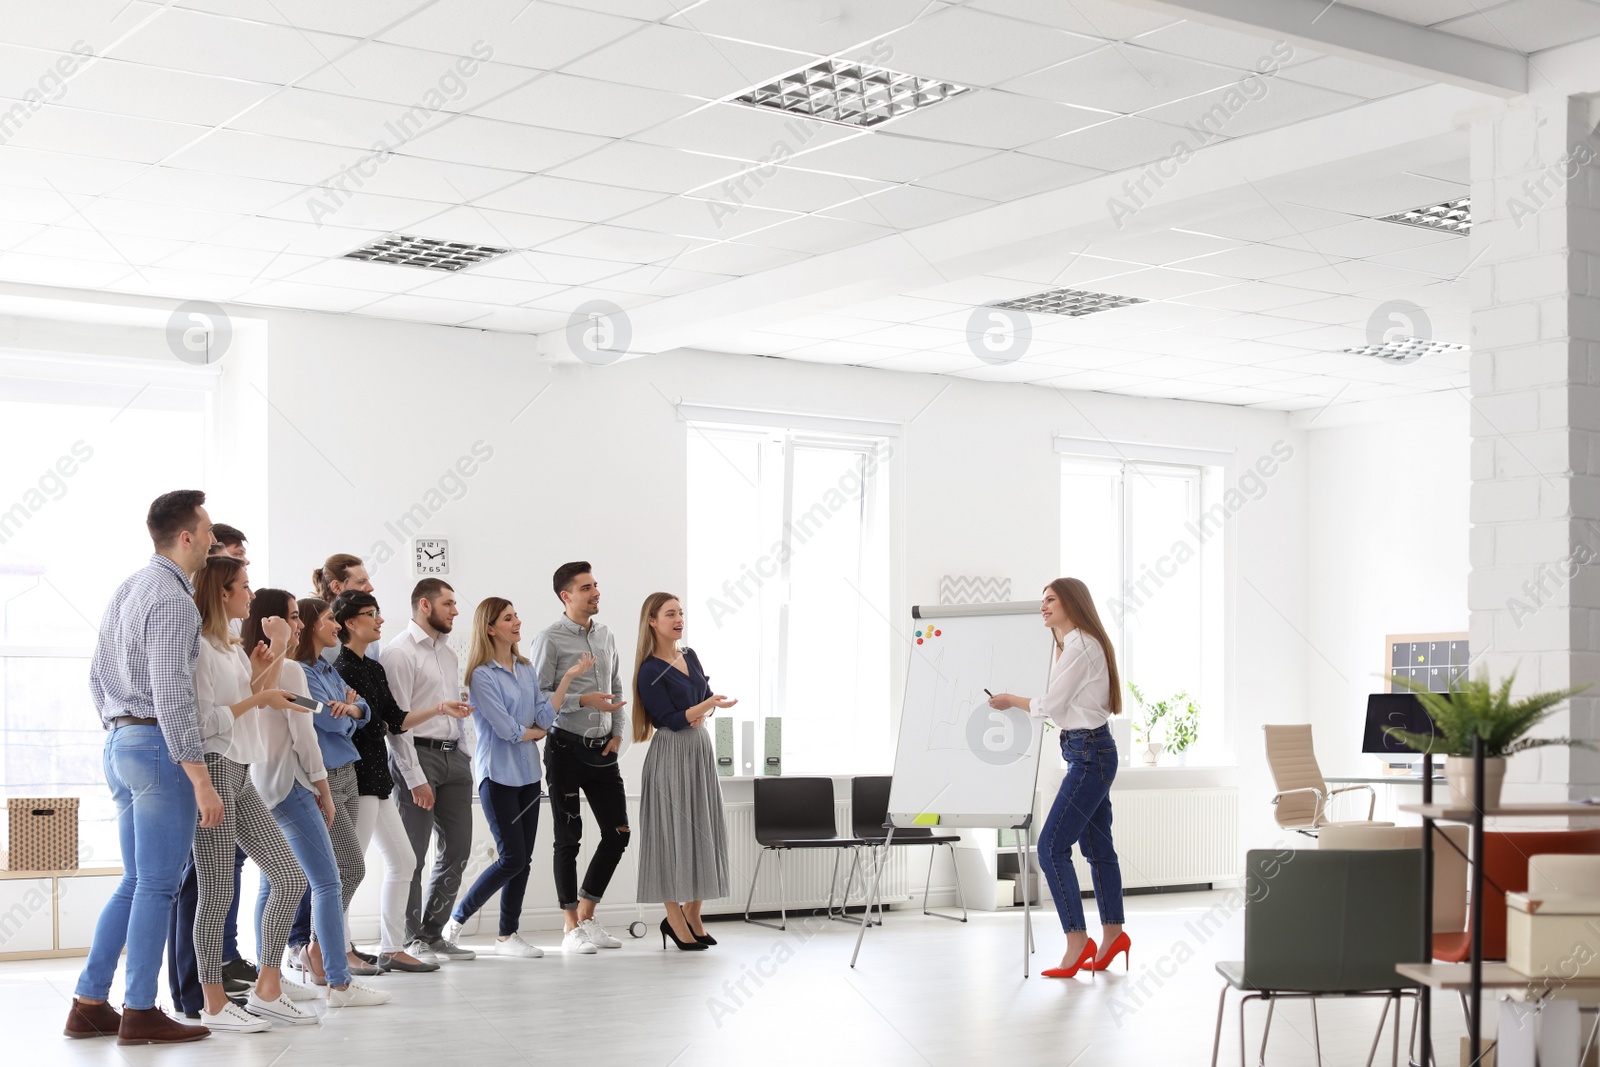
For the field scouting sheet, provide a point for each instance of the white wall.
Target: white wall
(368, 419)
(1388, 554)
(368, 414)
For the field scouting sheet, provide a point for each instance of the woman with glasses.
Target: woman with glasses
(293, 783)
(357, 626)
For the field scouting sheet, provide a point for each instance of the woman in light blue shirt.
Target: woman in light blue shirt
(511, 714)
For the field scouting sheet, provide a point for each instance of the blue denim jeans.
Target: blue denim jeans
(513, 814)
(156, 818)
(1082, 813)
(307, 833)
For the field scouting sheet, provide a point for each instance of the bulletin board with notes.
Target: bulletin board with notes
(1430, 660)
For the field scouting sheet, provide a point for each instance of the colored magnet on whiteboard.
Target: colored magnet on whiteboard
(925, 820)
(919, 640)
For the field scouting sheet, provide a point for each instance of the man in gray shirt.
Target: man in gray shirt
(580, 754)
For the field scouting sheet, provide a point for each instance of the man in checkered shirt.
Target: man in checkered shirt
(142, 680)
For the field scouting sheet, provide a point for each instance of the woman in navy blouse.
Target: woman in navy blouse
(511, 714)
(683, 853)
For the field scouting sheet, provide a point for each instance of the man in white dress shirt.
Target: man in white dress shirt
(434, 763)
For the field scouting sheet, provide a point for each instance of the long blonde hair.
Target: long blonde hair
(481, 650)
(210, 589)
(1079, 606)
(642, 727)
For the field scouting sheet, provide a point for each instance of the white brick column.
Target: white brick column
(1535, 290)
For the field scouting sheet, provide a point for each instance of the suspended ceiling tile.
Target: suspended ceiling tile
(993, 118)
(1125, 79)
(562, 198)
(1121, 143)
(543, 36)
(744, 132)
(587, 105)
(1008, 176)
(682, 61)
(972, 47)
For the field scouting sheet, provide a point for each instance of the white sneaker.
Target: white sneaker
(577, 942)
(597, 935)
(233, 1019)
(420, 951)
(451, 932)
(280, 1012)
(515, 946)
(297, 992)
(356, 995)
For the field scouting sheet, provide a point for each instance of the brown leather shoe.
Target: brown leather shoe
(92, 1020)
(151, 1026)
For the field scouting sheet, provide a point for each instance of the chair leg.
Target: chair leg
(1316, 1034)
(1394, 1053)
(1377, 1037)
(927, 884)
(1243, 1000)
(1216, 1039)
(844, 905)
(782, 896)
(1261, 1058)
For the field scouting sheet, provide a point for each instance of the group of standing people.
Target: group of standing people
(256, 723)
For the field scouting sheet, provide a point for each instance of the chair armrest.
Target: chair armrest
(1372, 797)
(1322, 799)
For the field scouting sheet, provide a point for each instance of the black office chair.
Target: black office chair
(869, 818)
(793, 813)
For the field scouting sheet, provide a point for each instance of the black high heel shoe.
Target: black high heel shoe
(705, 939)
(687, 946)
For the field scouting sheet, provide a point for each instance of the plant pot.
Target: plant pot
(1458, 772)
(1149, 753)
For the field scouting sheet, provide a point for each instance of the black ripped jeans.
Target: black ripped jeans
(567, 773)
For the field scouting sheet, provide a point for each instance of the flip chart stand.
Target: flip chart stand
(1024, 869)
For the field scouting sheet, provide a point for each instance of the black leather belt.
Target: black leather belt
(131, 720)
(430, 742)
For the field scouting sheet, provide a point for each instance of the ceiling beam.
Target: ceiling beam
(1060, 223)
(1364, 35)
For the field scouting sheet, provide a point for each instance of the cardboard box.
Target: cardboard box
(43, 833)
(1553, 935)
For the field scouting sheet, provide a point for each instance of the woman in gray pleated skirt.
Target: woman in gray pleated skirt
(683, 850)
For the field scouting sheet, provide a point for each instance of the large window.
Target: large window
(1143, 538)
(84, 458)
(789, 589)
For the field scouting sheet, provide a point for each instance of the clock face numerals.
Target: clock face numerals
(430, 556)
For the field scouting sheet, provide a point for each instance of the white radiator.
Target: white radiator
(806, 871)
(1170, 837)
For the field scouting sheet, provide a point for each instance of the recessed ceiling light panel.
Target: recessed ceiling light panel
(852, 94)
(425, 252)
(1406, 349)
(1452, 216)
(1069, 302)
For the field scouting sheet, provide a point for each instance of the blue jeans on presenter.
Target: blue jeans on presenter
(156, 819)
(1082, 814)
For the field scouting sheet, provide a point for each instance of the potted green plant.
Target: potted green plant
(1474, 708)
(1177, 718)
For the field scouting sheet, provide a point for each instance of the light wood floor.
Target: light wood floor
(925, 992)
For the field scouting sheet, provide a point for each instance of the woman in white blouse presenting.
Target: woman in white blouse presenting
(1084, 691)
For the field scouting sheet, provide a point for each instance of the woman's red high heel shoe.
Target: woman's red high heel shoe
(1085, 959)
(1122, 944)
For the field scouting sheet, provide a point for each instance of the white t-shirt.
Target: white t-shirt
(221, 680)
(1079, 692)
(293, 754)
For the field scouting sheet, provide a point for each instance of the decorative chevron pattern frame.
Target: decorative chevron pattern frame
(968, 589)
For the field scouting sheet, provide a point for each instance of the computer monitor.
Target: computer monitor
(1401, 710)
